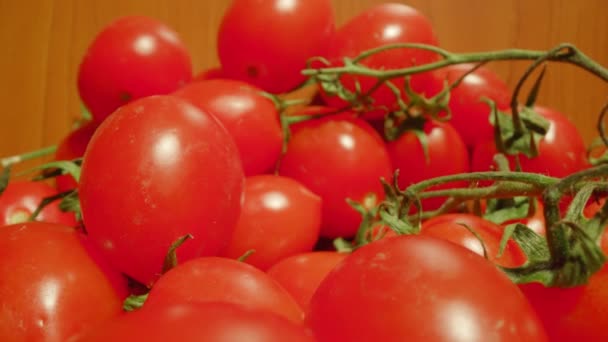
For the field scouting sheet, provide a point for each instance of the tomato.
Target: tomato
(573, 314)
(268, 42)
(384, 24)
(50, 279)
(420, 288)
(209, 74)
(130, 58)
(337, 159)
(213, 322)
(446, 155)
(301, 274)
(536, 221)
(214, 279)
(72, 147)
(453, 227)
(250, 118)
(21, 198)
(470, 115)
(156, 170)
(280, 217)
(557, 157)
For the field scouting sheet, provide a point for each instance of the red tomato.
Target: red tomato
(301, 274)
(558, 157)
(337, 159)
(268, 42)
(213, 279)
(450, 227)
(130, 58)
(50, 281)
(21, 198)
(280, 217)
(419, 288)
(156, 170)
(72, 147)
(470, 115)
(573, 314)
(250, 118)
(536, 221)
(209, 74)
(213, 322)
(447, 155)
(384, 24)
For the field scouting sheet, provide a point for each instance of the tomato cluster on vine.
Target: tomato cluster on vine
(203, 202)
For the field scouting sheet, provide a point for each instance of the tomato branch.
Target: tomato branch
(564, 53)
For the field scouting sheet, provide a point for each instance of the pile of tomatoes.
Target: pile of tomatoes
(201, 197)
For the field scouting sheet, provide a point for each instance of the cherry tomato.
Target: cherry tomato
(557, 157)
(268, 42)
(250, 118)
(453, 227)
(384, 24)
(209, 74)
(130, 58)
(21, 198)
(301, 274)
(535, 221)
(420, 288)
(280, 217)
(156, 170)
(446, 154)
(72, 147)
(213, 322)
(214, 279)
(53, 286)
(338, 159)
(470, 115)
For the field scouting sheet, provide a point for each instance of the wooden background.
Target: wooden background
(42, 42)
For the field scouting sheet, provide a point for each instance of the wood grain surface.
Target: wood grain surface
(42, 42)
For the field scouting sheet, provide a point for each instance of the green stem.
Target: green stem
(566, 54)
(4, 162)
(535, 179)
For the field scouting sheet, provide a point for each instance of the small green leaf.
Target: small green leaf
(478, 237)
(70, 167)
(246, 255)
(171, 258)
(48, 200)
(4, 178)
(536, 88)
(343, 246)
(134, 302)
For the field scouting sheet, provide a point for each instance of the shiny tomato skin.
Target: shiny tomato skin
(383, 24)
(337, 158)
(557, 156)
(207, 322)
(156, 170)
(280, 217)
(452, 227)
(268, 42)
(301, 274)
(420, 288)
(130, 58)
(215, 279)
(251, 119)
(50, 276)
(70, 148)
(21, 198)
(447, 155)
(470, 115)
